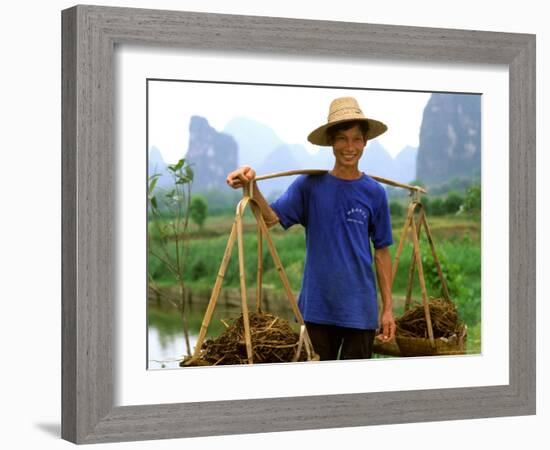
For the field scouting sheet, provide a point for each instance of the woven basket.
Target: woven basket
(386, 348)
(414, 346)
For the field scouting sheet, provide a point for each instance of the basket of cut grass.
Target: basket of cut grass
(273, 340)
(449, 332)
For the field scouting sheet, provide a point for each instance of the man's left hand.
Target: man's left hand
(388, 327)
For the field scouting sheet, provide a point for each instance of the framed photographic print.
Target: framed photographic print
(217, 126)
(149, 95)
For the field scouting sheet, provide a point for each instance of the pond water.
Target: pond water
(166, 341)
(166, 351)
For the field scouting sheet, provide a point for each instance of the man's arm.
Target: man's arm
(382, 259)
(242, 176)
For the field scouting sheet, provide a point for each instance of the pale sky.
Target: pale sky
(292, 112)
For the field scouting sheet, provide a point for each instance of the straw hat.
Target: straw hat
(345, 109)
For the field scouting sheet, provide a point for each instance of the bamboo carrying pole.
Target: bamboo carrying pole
(322, 171)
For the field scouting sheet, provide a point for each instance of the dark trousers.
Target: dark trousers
(330, 341)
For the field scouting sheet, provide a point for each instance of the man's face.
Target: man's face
(348, 146)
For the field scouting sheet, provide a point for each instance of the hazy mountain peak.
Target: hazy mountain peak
(155, 156)
(450, 139)
(212, 153)
(255, 139)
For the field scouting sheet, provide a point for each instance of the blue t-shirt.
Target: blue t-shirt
(340, 218)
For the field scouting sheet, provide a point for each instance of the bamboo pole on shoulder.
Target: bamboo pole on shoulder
(322, 171)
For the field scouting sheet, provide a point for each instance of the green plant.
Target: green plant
(198, 270)
(436, 207)
(461, 277)
(176, 202)
(198, 210)
(452, 203)
(451, 274)
(427, 204)
(396, 208)
(472, 199)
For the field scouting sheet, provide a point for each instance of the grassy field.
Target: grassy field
(457, 240)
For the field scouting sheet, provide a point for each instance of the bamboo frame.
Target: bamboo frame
(242, 277)
(260, 268)
(416, 259)
(412, 268)
(406, 226)
(435, 257)
(237, 234)
(248, 190)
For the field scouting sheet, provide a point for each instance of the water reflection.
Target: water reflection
(166, 341)
(166, 351)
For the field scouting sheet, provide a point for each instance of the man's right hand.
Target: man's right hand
(238, 178)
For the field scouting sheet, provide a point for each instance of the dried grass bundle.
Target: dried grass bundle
(445, 321)
(273, 340)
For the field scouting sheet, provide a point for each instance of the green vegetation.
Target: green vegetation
(397, 208)
(472, 199)
(205, 254)
(452, 203)
(457, 241)
(198, 210)
(168, 245)
(473, 340)
(460, 259)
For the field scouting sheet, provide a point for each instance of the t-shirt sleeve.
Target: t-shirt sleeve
(380, 230)
(290, 207)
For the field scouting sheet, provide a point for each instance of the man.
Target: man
(342, 211)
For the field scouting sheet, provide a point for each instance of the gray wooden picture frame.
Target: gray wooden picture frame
(89, 36)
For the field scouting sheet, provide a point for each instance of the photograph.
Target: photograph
(296, 223)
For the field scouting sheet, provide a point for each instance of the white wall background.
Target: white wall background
(30, 224)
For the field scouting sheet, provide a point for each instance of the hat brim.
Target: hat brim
(319, 135)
